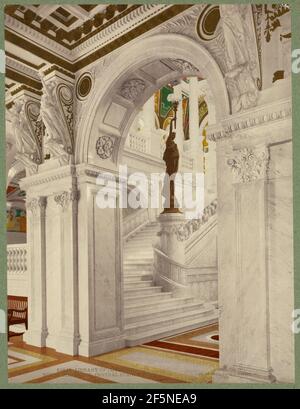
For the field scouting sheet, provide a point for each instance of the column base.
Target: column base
(65, 344)
(240, 374)
(35, 338)
(101, 346)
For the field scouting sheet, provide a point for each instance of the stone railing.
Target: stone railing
(182, 280)
(185, 230)
(17, 269)
(138, 143)
(16, 259)
(135, 221)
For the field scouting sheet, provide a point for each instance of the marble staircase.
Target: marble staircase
(151, 313)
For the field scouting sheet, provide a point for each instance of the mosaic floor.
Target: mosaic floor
(191, 357)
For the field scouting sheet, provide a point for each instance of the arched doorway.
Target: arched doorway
(119, 92)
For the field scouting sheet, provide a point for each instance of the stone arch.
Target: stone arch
(130, 79)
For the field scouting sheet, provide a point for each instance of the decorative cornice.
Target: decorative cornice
(251, 118)
(25, 69)
(120, 27)
(36, 37)
(47, 177)
(249, 165)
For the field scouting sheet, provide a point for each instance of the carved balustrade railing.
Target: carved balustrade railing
(184, 280)
(187, 229)
(17, 260)
(135, 221)
(138, 143)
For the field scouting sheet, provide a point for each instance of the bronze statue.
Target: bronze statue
(171, 158)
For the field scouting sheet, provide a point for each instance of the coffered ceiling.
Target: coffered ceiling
(72, 36)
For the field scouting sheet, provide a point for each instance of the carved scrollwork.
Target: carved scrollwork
(105, 146)
(57, 116)
(24, 116)
(185, 230)
(132, 88)
(249, 165)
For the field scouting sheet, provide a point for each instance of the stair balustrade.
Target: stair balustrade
(183, 280)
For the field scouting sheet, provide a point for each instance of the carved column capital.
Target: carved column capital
(249, 164)
(63, 199)
(37, 203)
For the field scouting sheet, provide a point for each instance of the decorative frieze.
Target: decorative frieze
(249, 164)
(250, 119)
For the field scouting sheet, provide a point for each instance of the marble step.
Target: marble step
(168, 330)
(168, 320)
(131, 292)
(137, 259)
(144, 299)
(145, 276)
(137, 284)
(151, 304)
(136, 267)
(163, 311)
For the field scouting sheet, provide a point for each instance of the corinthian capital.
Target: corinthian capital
(249, 164)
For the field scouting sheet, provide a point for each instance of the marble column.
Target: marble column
(195, 140)
(101, 318)
(255, 246)
(179, 122)
(36, 240)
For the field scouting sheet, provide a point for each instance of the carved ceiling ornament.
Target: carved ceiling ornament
(132, 89)
(105, 146)
(184, 66)
(249, 164)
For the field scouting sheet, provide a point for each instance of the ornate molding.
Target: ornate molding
(132, 89)
(63, 199)
(185, 230)
(120, 27)
(250, 119)
(35, 37)
(105, 146)
(181, 65)
(41, 178)
(249, 165)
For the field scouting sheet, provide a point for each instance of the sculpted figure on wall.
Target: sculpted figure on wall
(240, 54)
(53, 121)
(28, 150)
